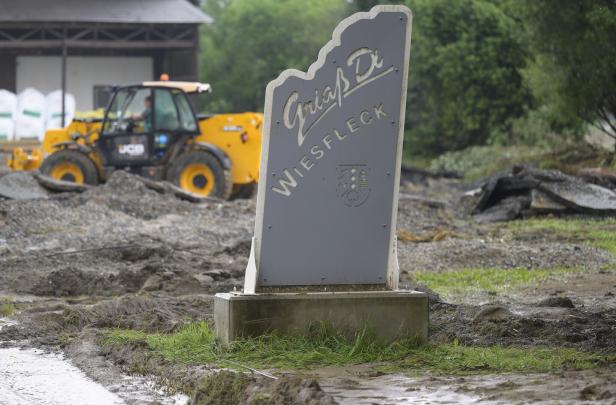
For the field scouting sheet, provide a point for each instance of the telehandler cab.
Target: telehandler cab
(151, 130)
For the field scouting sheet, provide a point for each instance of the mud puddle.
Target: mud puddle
(568, 387)
(33, 376)
(391, 389)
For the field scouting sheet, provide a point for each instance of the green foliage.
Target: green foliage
(6, 307)
(465, 79)
(251, 42)
(196, 344)
(479, 161)
(538, 127)
(504, 72)
(366, 5)
(547, 82)
(574, 73)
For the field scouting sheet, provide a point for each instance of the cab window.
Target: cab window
(187, 118)
(130, 112)
(165, 113)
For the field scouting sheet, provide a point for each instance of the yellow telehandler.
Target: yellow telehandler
(151, 129)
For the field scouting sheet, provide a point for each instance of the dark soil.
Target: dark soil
(588, 330)
(124, 255)
(238, 388)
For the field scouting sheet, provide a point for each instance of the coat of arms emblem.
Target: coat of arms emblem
(353, 188)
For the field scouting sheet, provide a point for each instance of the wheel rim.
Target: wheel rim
(197, 178)
(67, 171)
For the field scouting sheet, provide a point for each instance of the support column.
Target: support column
(64, 56)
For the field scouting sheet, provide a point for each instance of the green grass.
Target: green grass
(598, 232)
(461, 360)
(6, 308)
(489, 280)
(196, 344)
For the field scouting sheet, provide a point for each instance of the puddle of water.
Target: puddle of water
(33, 377)
(392, 389)
(142, 390)
(6, 322)
(563, 388)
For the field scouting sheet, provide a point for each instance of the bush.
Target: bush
(479, 161)
(534, 129)
(465, 80)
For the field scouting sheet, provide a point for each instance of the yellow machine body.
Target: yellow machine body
(238, 135)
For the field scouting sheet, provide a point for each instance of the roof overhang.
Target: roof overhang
(88, 36)
(96, 11)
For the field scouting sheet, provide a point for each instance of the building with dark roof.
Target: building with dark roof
(91, 45)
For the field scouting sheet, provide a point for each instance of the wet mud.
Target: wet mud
(125, 255)
(568, 387)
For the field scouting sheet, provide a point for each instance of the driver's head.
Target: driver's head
(148, 102)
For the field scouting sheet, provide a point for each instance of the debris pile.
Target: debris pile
(134, 195)
(127, 235)
(21, 186)
(526, 191)
(35, 185)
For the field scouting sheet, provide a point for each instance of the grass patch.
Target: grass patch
(465, 360)
(196, 344)
(6, 308)
(489, 280)
(598, 232)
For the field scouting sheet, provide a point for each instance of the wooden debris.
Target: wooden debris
(436, 236)
(60, 185)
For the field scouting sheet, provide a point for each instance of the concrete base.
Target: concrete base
(389, 314)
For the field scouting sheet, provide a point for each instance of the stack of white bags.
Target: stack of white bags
(53, 118)
(29, 114)
(30, 120)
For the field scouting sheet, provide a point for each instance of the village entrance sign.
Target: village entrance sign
(324, 247)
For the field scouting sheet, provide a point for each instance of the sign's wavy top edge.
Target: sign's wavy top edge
(332, 43)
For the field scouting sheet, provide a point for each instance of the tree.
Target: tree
(251, 42)
(465, 79)
(366, 5)
(574, 72)
(466, 58)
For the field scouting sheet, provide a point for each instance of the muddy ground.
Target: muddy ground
(124, 255)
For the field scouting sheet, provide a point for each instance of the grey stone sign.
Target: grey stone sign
(324, 248)
(330, 166)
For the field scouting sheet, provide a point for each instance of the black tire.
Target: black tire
(78, 159)
(244, 191)
(222, 178)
